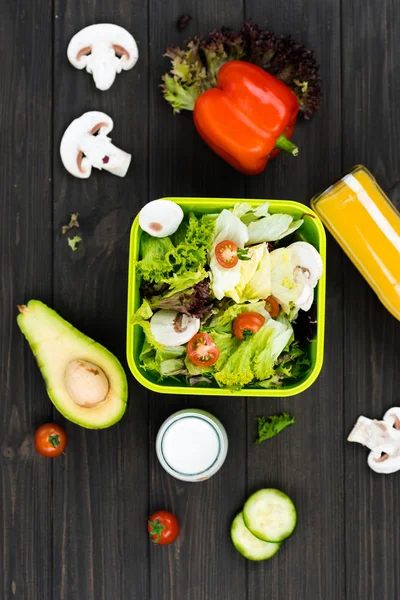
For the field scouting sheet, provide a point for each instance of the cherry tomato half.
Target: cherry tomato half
(226, 254)
(50, 440)
(247, 324)
(272, 306)
(202, 350)
(163, 527)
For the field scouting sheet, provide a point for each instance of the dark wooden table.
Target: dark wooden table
(74, 528)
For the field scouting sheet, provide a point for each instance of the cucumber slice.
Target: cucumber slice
(270, 515)
(247, 544)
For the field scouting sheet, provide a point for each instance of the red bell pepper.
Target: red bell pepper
(248, 118)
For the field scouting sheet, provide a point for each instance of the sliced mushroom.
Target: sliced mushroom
(171, 328)
(307, 258)
(160, 218)
(382, 438)
(81, 149)
(104, 50)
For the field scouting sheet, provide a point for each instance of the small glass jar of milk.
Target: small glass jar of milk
(192, 445)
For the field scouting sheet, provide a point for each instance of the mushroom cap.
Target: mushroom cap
(106, 33)
(160, 218)
(71, 142)
(304, 255)
(171, 328)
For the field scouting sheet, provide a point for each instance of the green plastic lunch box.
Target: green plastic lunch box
(311, 231)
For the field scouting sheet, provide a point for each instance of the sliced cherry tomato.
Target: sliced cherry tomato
(247, 324)
(163, 527)
(272, 306)
(50, 440)
(226, 254)
(202, 350)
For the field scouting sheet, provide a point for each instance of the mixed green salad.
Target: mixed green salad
(227, 298)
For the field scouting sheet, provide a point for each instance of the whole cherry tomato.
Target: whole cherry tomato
(247, 324)
(50, 440)
(163, 527)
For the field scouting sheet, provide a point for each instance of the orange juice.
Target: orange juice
(367, 226)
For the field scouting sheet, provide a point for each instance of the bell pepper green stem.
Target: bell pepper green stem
(284, 144)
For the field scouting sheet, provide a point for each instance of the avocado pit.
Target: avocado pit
(87, 384)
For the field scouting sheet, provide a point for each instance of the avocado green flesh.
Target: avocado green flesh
(55, 343)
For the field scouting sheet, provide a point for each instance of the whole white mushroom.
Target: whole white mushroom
(160, 218)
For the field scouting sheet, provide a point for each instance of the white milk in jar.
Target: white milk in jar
(192, 445)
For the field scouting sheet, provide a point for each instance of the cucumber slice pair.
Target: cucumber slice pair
(268, 518)
(247, 544)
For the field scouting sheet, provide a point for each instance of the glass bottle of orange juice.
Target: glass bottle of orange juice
(367, 226)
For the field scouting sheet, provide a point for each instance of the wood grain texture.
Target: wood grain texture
(202, 564)
(371, 87)
(74, 528)
(100, 543)
(25, 271)
(297, 460)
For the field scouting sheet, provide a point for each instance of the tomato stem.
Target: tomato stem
(247, 334)
(156, 530)
(54, 440)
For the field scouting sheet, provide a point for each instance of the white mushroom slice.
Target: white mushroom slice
(160, 218)
(85, 145)
(171, 328)
(382, 438)
(306, 257)
(104, 50)
(306, 298)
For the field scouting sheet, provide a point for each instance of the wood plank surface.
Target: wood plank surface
(371, 87)
(25, 272)
(100, 544)
(202, 564)
(75, 528)
(296, 461)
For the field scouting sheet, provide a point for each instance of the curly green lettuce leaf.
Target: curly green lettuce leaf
(182, 257)
(141, 317)
(187, 78)
(74, 242)
(293, 364)
(238, 369)
(271, 426)
(153, 266)
(194, 68)
(163, 361)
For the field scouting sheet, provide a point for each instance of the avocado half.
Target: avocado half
(85, 382)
